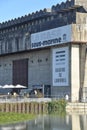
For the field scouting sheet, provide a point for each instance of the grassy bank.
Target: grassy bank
(17, 112)
(6, 118)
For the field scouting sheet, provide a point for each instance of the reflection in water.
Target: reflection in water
(17, 126)
(75, 122)
(83, 122)
(50, 122)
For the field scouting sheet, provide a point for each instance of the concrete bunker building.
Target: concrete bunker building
(48, 47)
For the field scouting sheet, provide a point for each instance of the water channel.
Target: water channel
(51, 122)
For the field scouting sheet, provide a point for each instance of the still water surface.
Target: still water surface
(50, 122)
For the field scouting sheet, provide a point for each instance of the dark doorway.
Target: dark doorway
(20, 72)
(47, 91)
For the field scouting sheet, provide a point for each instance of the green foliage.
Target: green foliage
(57, 106)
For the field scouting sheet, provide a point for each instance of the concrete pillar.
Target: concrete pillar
(75, 73)
(85, 75)
(84, 90)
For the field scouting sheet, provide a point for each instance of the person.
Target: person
(67, 97)
(8, 93)
(15, 94)
(35, 91)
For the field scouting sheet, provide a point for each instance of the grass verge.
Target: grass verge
(7, 118)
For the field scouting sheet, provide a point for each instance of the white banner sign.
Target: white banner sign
(60, 66)
(51, 37)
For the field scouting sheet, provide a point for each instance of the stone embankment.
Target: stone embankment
(37, 105)
(24, 105)
(76, 107)
(32, 107)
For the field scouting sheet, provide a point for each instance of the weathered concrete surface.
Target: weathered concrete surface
(76, 107)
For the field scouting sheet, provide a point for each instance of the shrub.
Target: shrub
(56, 106)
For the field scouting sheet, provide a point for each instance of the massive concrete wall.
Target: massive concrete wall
(79, 33)
(39, 67)
(5, 71)
(15, 38)
(80, 2)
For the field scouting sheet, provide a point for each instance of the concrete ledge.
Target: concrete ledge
(76, 107)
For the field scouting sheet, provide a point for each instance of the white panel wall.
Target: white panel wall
(60, 62)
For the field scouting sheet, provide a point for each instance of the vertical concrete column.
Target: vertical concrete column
(15, 107)
(2, 107)
(19, 107)
(23, 107)
(11, 107)
(35, 108)
(27, 107)
(84, 90)
(75, 73)
(7, 107)
(39, 107)
(32, 107)
(83, 64)
(85, 73)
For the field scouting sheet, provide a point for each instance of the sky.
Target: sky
(10, 9)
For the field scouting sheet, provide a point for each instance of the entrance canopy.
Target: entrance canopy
(13, 86)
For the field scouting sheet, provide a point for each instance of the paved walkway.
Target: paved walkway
(22, 99)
